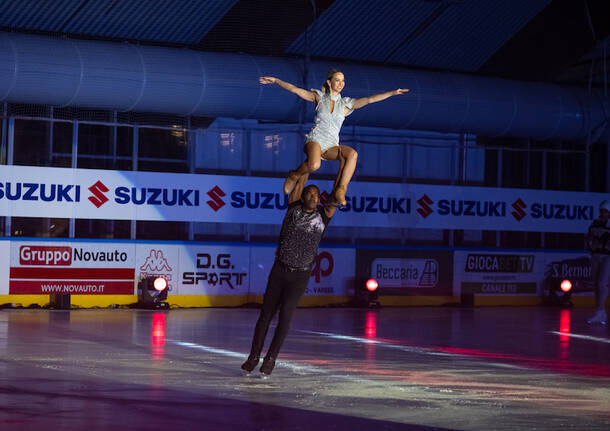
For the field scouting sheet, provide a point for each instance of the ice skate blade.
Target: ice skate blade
(596, 322)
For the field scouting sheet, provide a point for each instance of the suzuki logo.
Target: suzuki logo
(518, 213)
(216, 203)
(98, 189)
(424, 203)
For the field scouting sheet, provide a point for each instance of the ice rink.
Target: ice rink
(392, 368)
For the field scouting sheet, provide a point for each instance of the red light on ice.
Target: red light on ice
(371, 284)
(566, 285)
(160, 283)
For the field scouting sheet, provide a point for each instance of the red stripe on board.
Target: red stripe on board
(72, 273)
(35, 287)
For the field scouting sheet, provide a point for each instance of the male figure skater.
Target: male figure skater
(598, 242)
(302, 229)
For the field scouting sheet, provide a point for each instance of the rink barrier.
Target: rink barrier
(432, 276)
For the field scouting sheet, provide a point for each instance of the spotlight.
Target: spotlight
(160, 284)
(366, 293)
(560, 293)
(372, 285)
(152, 292)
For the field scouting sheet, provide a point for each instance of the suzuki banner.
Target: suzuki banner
(126, 195)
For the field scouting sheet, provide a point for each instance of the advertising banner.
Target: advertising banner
(5, 263)
(159, 260)
(103, 268)
(332, 273)
(408, 272)
(213, 270)
(575, 267)
(99, 268)
(498, 273)
(127, 195)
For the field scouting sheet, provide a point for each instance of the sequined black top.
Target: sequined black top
(598, 237)
(300, 235)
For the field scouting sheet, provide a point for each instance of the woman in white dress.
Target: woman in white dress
(323, 140)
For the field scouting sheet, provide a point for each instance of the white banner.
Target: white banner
(575, 267)
(405, 272)
(519, 273)
(104, 267)
(5, 265)
(333, 271)
(214, 270)
(497, 273)
(126, 195)
(159, 260)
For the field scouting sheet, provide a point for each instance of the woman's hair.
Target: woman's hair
(329, 76)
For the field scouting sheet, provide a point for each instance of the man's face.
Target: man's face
(311, 198)
(604, 214)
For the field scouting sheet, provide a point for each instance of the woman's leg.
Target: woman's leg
(340, 171)
(347, 157)
(311, 164)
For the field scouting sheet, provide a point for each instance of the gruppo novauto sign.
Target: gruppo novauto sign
(125, 195)
(71, 268)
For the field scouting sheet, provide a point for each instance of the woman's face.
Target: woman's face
(336, 83)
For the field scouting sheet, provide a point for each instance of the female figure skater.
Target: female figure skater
(323, 140)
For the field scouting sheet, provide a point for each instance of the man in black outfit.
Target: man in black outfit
(302, 229)
(598, 242)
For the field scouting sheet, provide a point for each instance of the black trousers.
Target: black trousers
(284, 289)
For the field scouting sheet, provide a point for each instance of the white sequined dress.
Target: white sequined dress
(326, 124)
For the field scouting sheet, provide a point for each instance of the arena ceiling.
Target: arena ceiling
(564, 41)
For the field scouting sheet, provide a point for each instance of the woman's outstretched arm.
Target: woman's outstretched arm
(359, 103)
(310, 96)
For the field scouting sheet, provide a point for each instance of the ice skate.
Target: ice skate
(250, 364)
(598, 317)
(267, 367)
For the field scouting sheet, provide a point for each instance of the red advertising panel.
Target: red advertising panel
(74, 268)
